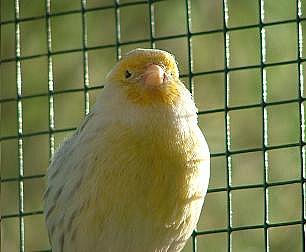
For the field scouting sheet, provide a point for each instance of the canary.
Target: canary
(134, 175)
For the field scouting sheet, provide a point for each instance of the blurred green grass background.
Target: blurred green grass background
(247, 168)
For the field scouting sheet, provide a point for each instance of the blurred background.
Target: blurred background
(263, 192)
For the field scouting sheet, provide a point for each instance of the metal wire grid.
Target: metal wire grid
(264, 104)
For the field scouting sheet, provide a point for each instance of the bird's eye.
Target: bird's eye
(127, 74)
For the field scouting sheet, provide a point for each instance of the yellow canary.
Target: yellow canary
(134, 175)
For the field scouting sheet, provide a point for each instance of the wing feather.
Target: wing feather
(61, 186)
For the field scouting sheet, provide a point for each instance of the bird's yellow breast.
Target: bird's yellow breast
(151, 178)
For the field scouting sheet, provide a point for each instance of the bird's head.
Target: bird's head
(148, 76)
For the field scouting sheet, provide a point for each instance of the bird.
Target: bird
(133, 176)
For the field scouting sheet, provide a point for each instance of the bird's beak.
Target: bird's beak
(153, 76)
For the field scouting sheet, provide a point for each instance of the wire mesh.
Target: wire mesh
(231, 63)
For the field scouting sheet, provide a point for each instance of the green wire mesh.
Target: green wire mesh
(243, 61)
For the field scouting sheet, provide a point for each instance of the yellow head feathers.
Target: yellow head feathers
(136, 60)
(149, 76)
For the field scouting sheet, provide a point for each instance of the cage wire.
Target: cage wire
(256, 198)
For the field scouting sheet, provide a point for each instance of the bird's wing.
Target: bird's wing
(63, 181)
